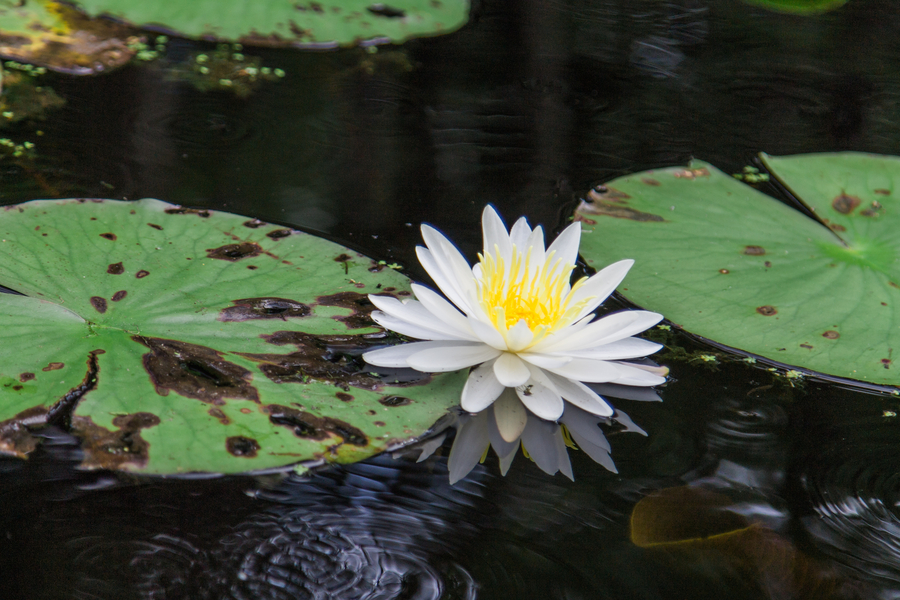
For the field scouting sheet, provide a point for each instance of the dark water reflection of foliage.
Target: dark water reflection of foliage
(526, 107)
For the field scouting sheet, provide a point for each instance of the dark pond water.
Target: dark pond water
(527, 107)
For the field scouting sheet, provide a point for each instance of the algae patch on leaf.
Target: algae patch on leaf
(142, 331)
(731, 264)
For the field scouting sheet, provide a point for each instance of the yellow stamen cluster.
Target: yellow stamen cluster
(537, 294)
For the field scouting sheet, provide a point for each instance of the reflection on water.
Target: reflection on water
(527, 107)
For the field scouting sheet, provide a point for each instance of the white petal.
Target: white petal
(536, 244)
(449, 260)
(396, 356)
(481, 388)
(487, 333)
(451, 358)
(565, 246)
(634, 375)
(585, 425)
(469, 446)
(441, 309)
(627, 348)
(449, 287)
(507, 459)
(585, 369)
(601, 285)
(610, 328)
(416, 313)
(520, 335)
(495, 234)
(510, 416)
(510, 370)
(580, 395)
(626, 392)
(411, 329)
(541, 400)
(545, 445)
(544, 361)
(597, 452)
(501, 446)
(623, 419)
(519, 234)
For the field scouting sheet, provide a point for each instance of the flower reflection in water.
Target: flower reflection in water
(545, 442)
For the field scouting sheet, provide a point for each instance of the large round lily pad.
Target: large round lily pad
(734, 265)
(174, 340)
(299, 23)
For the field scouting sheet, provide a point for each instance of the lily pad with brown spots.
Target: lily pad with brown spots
(172, 340)
(731, 264)
(303, 23)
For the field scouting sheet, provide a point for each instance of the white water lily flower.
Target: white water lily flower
(516, 315)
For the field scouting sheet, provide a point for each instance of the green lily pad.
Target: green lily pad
(172, 340)
(799, 7)
(56, 36)
(279, 23)
(731, 264)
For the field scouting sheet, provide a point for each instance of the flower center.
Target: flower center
(538, 294)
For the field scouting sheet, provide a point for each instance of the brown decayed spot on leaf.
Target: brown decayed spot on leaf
(110, 236)
(691, 173)
(120, 448)
(195, 371)
(99, 304)
(53, 366)
(317, 357)
(155, 226)
(119, 295)
(394, 401)
(220, 416)
(253, 223)
(279, 233)
(308, 426)
(263, 308)
(115, 269)
(845, 204)
(650, 181)
(360, 304)
(831, 334)
(344, 397)
(754, 250)
(187, 211)
(603, 193)
(607, 209)
(234, 252)
(141, 274)
(767, 310)
(242, 446)
(23, 377)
